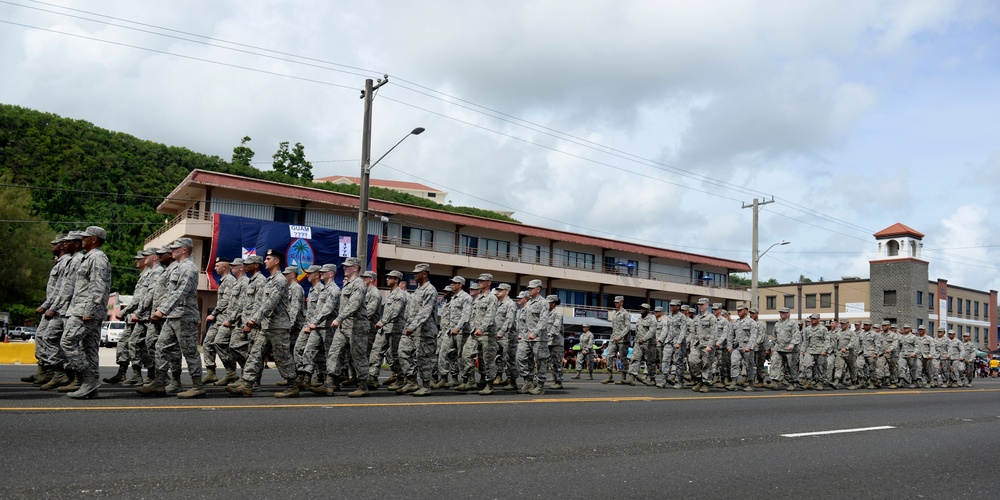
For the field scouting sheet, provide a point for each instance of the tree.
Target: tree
(735, 279)
(292, 163)
(24, 245)
(243, 155)
(803, 279)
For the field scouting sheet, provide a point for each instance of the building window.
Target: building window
(810, 301)
(286, 215)
(977, 308)
(418, 237)
(633, 267)
(531, 254)
(496, 248)
(826, 300)
(930, 301)
(959, 306)
(772, 302)
(432, 195)
(919, 322)
(920, 298)
(930, 328)
(968, 307)
(892, 248)
(889, 298)
(949, 304)
(790, 301)
(977, 334)
(579, 259)
(470, 246)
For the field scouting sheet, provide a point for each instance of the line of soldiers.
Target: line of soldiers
(703, 348)
(76, 299)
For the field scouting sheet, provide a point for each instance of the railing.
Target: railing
(187, 214)
(553, 261)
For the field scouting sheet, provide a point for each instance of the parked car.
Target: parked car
(23, 332)
(111, 332)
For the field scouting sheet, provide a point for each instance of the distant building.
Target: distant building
(898, 290)
(413, 188)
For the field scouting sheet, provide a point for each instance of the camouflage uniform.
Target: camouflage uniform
(556, 346)
(223, 304)
(416, 348)
(393, 323)
(530, 358)
(845, 346)
(954, 355)
(353, 330)
(250, 294)
(271, 329)
(644, 348)
(942, 365)
(909, 365)
(925, 343)
(507, 337)
(296, 314)
(674, 332)
(313, 304)
(815, 347)
(317, 348)
(179, 334)
(450, 348)
(702, 341)
(744, 340)
(621, 322)
(967, 372)
(372, 311)
(58, 292)
(888, 360)
(91, 289)
(161, 287)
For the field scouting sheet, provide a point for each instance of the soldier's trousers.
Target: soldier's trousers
(870, 367)
(315, 351)
(556, 354)
(209, 350)
(944, 370)
(152, 335)
(122, 354)
(137, 344)
(178, 337)
(759, 357)
(721, 366)
(483, 347)
(740, 361)
(511, 356)
(448, 354)
(585, 361)
(784, 367)
(276, 341)
(841, 362)
(386, 346)
(957, 369)
(81, 344)
(886, 368)
(909, 369)
(355, 333)
(667, 365)
(641, 352)
(222, 344)
(48, 341)
(830, 367)
(531, 360)
(700, 363)
(239, 346)
(926, 369)
(813, 367)
(417, 356)
(621, 350)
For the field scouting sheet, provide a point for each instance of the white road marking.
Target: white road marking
(838, 431)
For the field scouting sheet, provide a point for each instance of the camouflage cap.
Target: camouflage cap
(352, 261)
(675, 302)
(523, 294)
(223, 259)
(58, 239)
(845, 320)
(184, 242)
(486, 277)
(422, 268)
(173, 245)
(254, 259)
(139, 256)
(940, 329)
(162, 250)
(74, 235)
(395, 274)
(619, 298)
(458, 279)
(96, 231)
(313, 269)
(922, 327)
(784, 310)
(966, 334)
(951, 332)
(504, 286)
(717, 305)
(238, 261)
(723, 312)
(866, 322)
(742, 307)
(535, 284)
(885, 323)
(328, 268)
(685, 307)
(906, 325)
(369, 275)
(552, 298)
(814, 316)
(703, 301)
(290, 270)
(893, 325)
(658, 309)
(753, 310)
(147, 252)
(644, 306)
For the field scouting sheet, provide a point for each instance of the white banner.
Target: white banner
(345, 246)
(943, 314)
(855, 307)
(304, 232)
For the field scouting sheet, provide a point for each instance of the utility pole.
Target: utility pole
(756, 256)
(366, 158)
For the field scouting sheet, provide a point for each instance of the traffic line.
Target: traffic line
(838, 431)
(329, 403)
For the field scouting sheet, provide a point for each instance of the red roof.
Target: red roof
(382, 183)
(899, 229)
(216, 179)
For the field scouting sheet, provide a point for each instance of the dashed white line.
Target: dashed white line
(838, 431)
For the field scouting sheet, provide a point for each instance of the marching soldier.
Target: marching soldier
(392, 323)
(87, 310)
(621, 322)
(585, 358)
(416, 347)
(223, 267)
(482, 343)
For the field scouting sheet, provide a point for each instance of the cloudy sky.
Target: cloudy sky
(646, 121)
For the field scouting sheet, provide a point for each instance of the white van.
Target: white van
(111, 332)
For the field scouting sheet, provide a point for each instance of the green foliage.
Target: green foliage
(292, 163)
(384, 194)
(736, 279)
(77, 174)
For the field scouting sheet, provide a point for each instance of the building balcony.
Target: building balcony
(189, 223)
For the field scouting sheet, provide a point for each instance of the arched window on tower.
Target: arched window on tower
(913, 249)
(892, 248)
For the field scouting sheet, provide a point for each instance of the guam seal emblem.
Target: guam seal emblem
(301, 256)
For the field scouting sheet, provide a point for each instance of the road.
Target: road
(587, 441)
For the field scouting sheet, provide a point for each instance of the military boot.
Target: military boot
(45, 378)
(511, 385)
(610, 379)
(498, 380)
(157, 387)
(557, 385)
(391, 380)
(396, 384)
(240, 388)
(424, 390)
(697, 387)
(328, 388)
(486, 390)
(537, 389)
(629, 380)
(318, 381)
(643, 380)
(173, 387)
(466, 386)
(197, 389)
(590, 376)
(227, 379)
(88, 387)
(39, 373)
(360, 392)
(410, 385)
(577, 376)
(441, 383)
(118, 377)
(210, 377)
(749, 388)
(136, 378)
(732, 387)
(623, 379)
(73, 385)
(678, 385)
(704, 388)
(281, 383)
(291, 390)
(373, 383)
(59, 379)
(525, 387)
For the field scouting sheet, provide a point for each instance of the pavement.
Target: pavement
(586, 441)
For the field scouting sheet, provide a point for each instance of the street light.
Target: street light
(753, 277)
(364, 182)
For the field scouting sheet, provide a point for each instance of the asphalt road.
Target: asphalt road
(587, 441)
